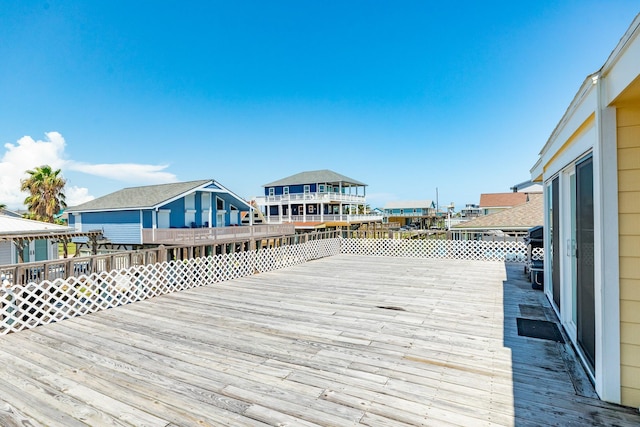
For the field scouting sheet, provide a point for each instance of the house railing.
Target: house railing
(55, 299)
(174, 236)
(34, 272)
(326, 197)
(410, 214)
(273, 219)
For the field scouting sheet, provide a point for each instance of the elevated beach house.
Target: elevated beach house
(405, 212)
(159, 213)
(590, 168)
(315, 200)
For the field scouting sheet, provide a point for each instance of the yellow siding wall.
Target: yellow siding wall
(628, 122)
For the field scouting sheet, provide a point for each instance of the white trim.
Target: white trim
(606, 254)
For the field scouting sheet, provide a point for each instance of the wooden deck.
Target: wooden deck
(346, 340)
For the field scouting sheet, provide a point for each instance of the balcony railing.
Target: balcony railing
(322, 218)
(178, 236)
(410, 214)
(310, 197)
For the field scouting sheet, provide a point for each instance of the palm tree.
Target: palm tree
(45, 197)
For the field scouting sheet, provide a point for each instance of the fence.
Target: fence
(24, 273)
(37, 303)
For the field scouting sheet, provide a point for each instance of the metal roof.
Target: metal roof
(324, 176)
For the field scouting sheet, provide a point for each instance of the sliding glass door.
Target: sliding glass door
(585, 295)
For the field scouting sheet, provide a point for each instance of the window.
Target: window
(312, 209)
(219, 204)
(285, 190)
(307, 189)
(272, 191)
(321, 188)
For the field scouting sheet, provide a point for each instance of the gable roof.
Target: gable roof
(312, 177)
(409, 204)
(502, 200)
(521, 217)
(145, 197)
(10, 225)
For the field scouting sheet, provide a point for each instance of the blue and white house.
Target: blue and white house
(315, 200)
(410, 211)
(153, 214)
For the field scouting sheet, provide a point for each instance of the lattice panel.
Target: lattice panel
(450, 249)
(24, 307)
(537, 254)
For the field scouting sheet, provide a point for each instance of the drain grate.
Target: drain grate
(541, 329)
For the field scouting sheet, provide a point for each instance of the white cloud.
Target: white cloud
(128, 172)
(77, 195)
(28, 153)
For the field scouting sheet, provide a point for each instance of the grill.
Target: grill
(534, 267)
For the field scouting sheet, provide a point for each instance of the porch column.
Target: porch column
(280, 213)
(154, 224)
(289, 210)
(304, 211)
(321, 212)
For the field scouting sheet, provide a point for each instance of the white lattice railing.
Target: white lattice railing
(24, 307)
(451, 249)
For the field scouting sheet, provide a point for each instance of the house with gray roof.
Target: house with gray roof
(516, 220)
(138, 215)
(315, 200)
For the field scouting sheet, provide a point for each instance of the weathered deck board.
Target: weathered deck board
(346, 340)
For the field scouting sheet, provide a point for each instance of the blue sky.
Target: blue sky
(405, 96)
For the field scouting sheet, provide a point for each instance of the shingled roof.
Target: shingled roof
(502, 200)
(521, 217)
(145, 197)
(312, 177)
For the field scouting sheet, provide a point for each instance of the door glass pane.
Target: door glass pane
(555, 241)
(585, 260)
(572, 249)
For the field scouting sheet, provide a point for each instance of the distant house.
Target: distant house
(24, 240)
(406, 212)
(470, 211)
(515, 220)
(527, 187)
(495, 202)
(590, 170)
(316, 200)
(131, 215)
